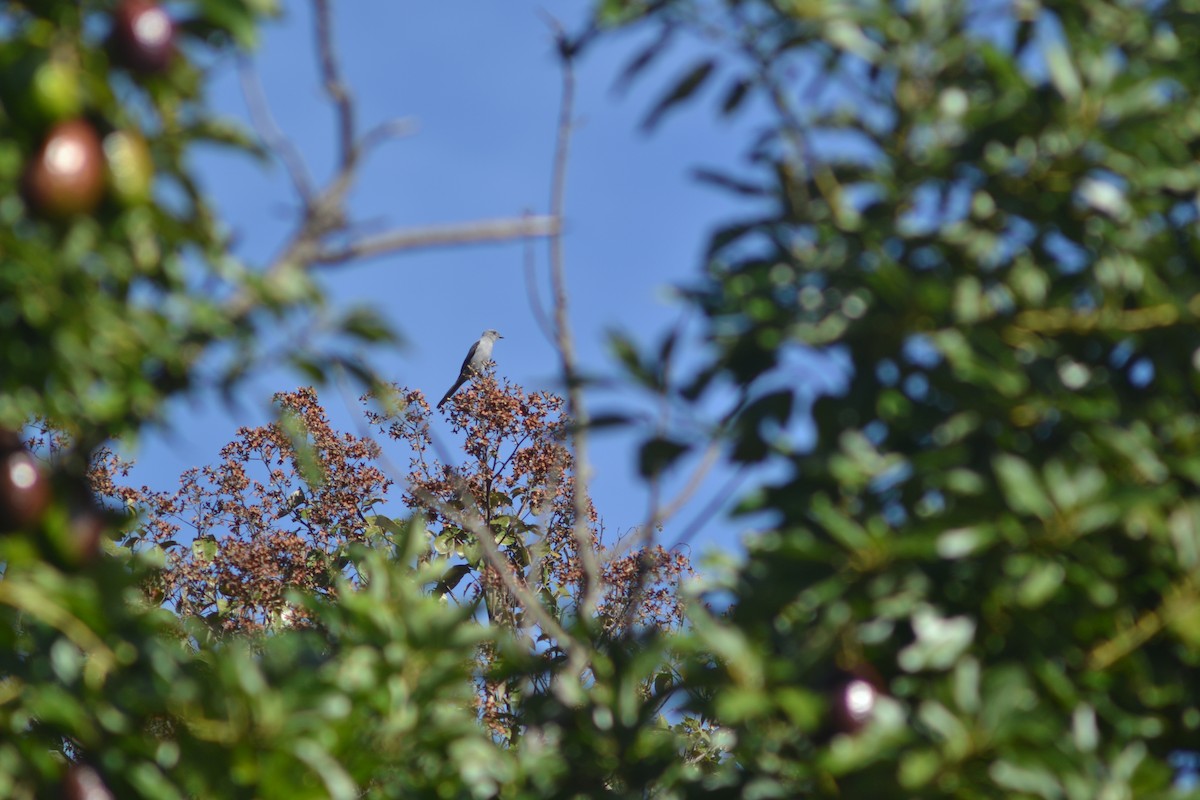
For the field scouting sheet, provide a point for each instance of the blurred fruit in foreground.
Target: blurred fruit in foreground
(85, 534)
(129, 168)
(854, 700)
(43, 88)
(84, 783)
(24, 490)
(142, 38)
(66, 175)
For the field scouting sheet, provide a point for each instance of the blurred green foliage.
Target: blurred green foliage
(989, 211)
(102, 313)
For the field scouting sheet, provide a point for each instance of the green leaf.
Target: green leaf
(1184, 526)
(642, 370)
(644, 58)
(731, 183)
(307, 457)
(204, 548)
(657, 454)
(940, 641)
(443, 543)
(367, 325)
(226, 132)
(684, 88)
(600, 421)
(737, 93)
(1040, 584)
(843, 529)
(1021, 486)
(1026, 780)
(234, 16)
(338, 783)
(451, 578)
(965, 542)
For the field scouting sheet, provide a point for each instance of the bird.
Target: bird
(293, 502)
(479, 354)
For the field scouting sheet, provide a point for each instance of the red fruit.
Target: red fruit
(142, 37)
(66, 175)
(84, 783)
(24, 490)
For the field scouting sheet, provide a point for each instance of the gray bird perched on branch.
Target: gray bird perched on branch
(479, 354)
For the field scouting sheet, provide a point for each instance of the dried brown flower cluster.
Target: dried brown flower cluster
(518, 481)
(517, 486)
(287, 499)
(276, 513)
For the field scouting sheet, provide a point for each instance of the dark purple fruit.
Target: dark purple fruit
(855, 699)
(84, 783)
(66, 175)
(24, 490)
(142, 38)
(86, 531)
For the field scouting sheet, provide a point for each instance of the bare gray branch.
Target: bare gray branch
(409, 239)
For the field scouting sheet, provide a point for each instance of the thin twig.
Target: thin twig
(409, 239)
(705, 515)
(1179, 600)
(576, 409)
(711, 456)
(657, 514)
(335, 86)
(385, 132)
(472, 521)
(324, 216)
(535, 295)
(660, 514)
(269, 131)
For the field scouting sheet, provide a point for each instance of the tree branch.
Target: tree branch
(472, 521)
(576, 408)
(335, 86)
(535, 296)
(268, 130)
(409, 239)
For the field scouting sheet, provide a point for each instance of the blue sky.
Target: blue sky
(481, 85)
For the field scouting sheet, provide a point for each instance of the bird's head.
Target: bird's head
(491, 334)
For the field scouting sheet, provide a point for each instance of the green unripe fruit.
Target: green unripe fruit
(54, 90)
(129, 168)
(41, 88)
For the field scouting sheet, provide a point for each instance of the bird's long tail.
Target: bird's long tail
(450, 393)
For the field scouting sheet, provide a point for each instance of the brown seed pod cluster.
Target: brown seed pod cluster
(258, 527)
